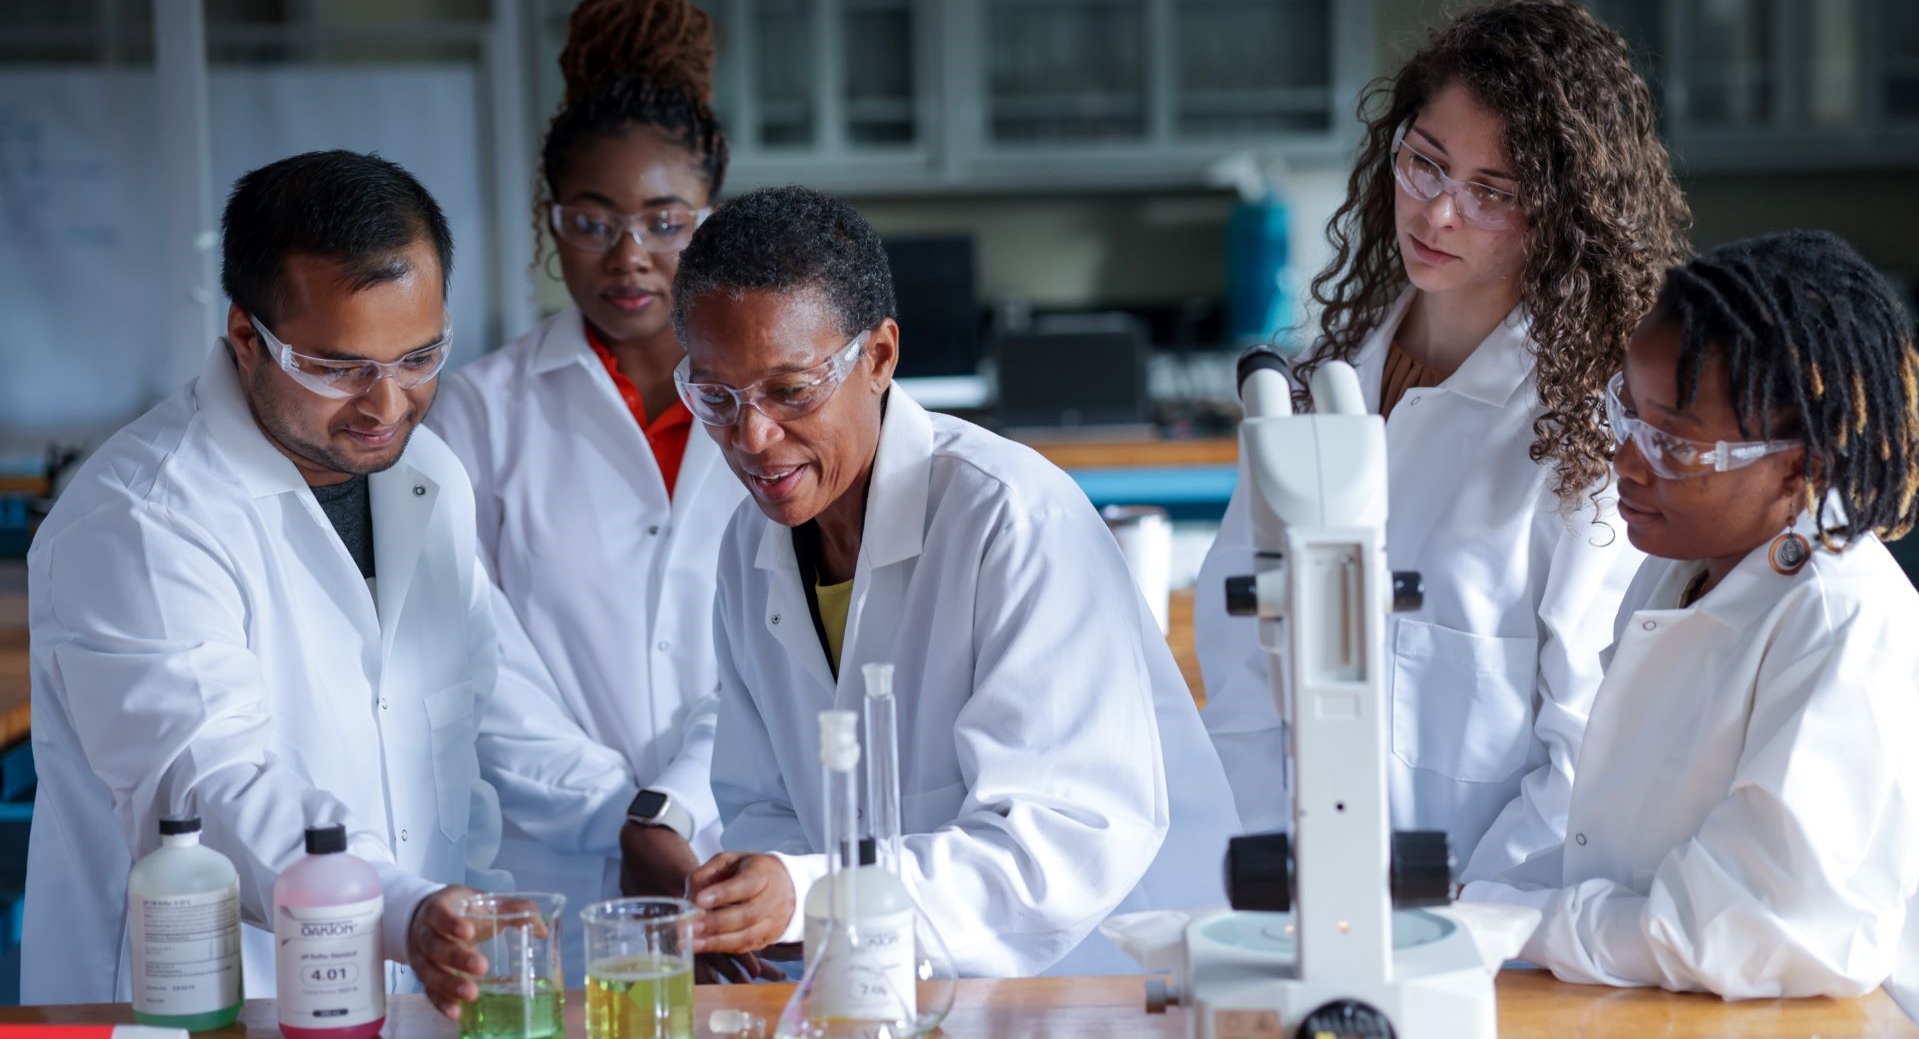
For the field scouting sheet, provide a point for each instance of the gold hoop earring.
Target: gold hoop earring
(552, 258)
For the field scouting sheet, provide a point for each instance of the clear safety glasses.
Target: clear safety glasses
(662, 230)
(1419, 175)
(781, 398)
(342, 380)
(1675, 457)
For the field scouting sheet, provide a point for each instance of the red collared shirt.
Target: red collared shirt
(666, 434)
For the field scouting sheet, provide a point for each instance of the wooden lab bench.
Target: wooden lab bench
(1531, 1006)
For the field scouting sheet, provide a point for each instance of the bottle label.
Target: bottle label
(878, 982)
(186, 952)
(329, 963)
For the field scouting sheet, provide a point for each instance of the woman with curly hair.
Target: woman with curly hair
(1500, 238)
(599, 516)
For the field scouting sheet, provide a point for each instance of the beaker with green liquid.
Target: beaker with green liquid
(522, 992)
(639, 968)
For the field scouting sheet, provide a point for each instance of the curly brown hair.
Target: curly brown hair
(1595, 184)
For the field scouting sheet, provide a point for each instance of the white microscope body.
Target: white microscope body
(1343, 963)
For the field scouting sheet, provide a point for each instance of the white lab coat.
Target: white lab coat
(1491, 679)
(1048, 745)
(1745, 818)
(202, 641)
(611, 580)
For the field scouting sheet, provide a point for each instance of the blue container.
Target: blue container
(1259, 296)
(13, 528)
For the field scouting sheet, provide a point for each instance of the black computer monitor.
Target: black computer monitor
(939, 311)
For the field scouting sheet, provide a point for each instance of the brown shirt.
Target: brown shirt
(1402, 374)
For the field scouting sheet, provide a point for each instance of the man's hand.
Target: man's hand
(654, 860)
(748, 901)
(439, 947)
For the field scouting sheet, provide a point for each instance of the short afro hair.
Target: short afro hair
(360, 212)
(790, 239)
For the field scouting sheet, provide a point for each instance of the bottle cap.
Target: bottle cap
(869, 851)
(174, 825)
(879, 679)
(326, 840)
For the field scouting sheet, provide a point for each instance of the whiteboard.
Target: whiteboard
(82, 333)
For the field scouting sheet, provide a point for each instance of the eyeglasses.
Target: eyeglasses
(1419, 175)
(662, 230)
(781, 398)
(342, 380)
(1676, 457)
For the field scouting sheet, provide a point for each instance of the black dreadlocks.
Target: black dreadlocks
(1816, 347)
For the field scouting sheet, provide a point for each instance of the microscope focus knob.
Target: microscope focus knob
(1346, 1019)
(1422, 873)
(1242, 596)
(1409, 591)
(1259, 873)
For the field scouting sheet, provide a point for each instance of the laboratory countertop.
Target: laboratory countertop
(1530, 1005)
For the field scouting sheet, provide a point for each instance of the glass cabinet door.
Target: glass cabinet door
(1065, 71)
(1732, 76)
(877, 73)
(1250, 67)
(1899, 62)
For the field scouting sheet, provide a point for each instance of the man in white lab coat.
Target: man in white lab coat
(261, 603)
(1053, 768)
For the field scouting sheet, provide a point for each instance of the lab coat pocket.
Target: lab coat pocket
(1462, 703)
(456, 763)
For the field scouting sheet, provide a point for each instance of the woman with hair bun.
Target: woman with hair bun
(600, 518)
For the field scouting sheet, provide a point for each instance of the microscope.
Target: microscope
(1326, 938)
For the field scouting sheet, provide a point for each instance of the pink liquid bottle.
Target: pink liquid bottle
(326, 929)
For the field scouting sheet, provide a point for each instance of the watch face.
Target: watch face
(648, 805)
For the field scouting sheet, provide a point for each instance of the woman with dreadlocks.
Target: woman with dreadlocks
(599, 516)
(1504, 229)
(1745, 817)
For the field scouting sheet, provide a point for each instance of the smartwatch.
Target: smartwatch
(657, 808)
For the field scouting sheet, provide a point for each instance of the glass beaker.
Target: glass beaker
(522, 992)
(639, 968)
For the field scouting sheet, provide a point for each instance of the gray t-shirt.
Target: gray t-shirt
(349, 507)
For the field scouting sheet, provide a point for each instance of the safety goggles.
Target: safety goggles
(1419, 175)
(342, 380)
(781, 398)
(1675, 457)
(662, 229)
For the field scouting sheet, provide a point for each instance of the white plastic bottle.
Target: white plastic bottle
(183, 927)
(327, 951)
(884, 918)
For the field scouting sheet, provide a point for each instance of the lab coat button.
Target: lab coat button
(1413, 402)
(1579, 839)
(1650, 625)
(1582, 840)
(418, 491)
(382, 703)
(776, 618)
(664, 646)
(654, 529)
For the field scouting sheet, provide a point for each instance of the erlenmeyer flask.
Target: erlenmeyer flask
(933, 971)
(854, 986)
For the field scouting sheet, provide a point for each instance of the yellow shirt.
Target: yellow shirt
(834, 601)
